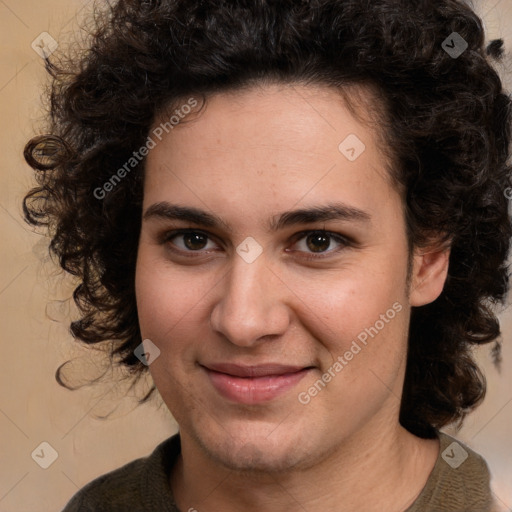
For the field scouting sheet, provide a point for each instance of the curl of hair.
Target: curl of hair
(446, 124)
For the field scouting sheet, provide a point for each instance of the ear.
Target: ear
(430, 268)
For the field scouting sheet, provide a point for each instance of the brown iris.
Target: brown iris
(318, 242)
(194, 241)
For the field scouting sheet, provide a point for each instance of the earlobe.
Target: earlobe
(430, 269)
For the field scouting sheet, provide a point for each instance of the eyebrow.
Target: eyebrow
(332, 211)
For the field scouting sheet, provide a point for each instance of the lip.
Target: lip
(260, 370)
(254, 384)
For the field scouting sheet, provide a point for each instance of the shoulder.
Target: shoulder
(139, 485)
(460, 480)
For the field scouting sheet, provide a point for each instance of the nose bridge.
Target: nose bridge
(250, 306)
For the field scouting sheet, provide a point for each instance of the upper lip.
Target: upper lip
(261, 370)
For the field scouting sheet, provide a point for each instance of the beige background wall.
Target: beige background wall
(34, 309)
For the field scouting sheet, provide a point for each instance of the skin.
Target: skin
(251, 155)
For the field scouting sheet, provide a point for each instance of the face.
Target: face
(282, 335)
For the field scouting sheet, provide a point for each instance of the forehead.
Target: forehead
(279, 111)
(278, 143)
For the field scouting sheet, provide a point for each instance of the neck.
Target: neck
(383, 471)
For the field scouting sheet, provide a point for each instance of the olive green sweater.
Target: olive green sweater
(459, 482)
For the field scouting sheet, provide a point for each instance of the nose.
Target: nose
(253, 304)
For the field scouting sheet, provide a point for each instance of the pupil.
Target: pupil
(194, 240)
(321, 243)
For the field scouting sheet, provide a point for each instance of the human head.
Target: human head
(447, 139)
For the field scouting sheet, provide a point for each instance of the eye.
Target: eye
(189, 241)
(318, 242)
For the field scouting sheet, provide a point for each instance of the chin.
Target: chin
(260, 449)
(257, 456)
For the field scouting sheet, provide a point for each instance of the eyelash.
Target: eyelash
(343, 241)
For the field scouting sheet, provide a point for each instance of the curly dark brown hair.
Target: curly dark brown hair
(445, 119)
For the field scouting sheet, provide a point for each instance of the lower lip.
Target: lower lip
(253, 390)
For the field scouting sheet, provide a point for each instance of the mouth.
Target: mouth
(254, 384)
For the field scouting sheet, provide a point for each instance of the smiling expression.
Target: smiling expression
(264, 252)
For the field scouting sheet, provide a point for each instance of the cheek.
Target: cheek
(167, 311)
(341, 305)
(376, 332)
(365, 325)
(162, 299)
(362, 326)
(172, 308)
